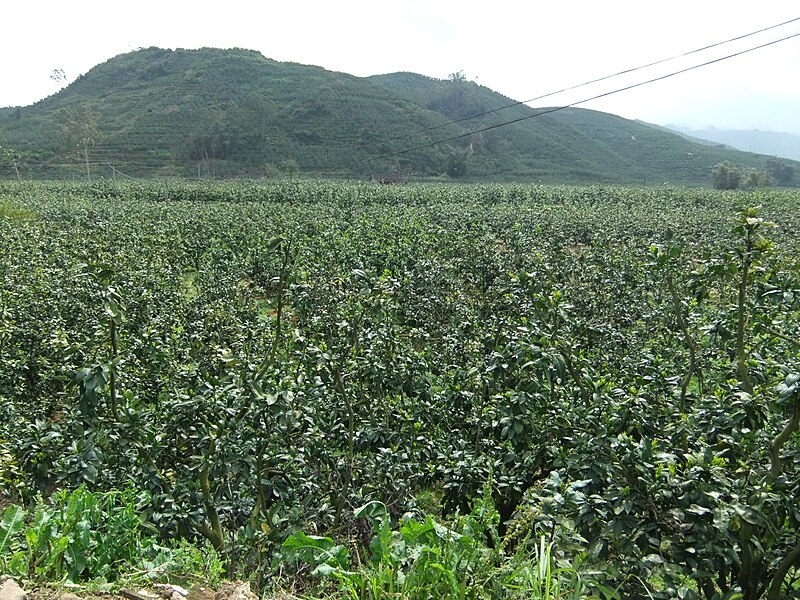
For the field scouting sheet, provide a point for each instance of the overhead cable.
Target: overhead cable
(547, 111)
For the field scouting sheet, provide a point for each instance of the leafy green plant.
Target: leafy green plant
(539, 579)
(425, 559)
(11, 476)
(11, 525)
(183, 561)
(14, 213)
(80, 535)
(83, 536)
(420, 559)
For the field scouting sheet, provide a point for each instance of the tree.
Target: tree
(269, 171)
(78, 131)
(755, 178)
(290, 167)
(457, 165)
(780, 172)
(58, 75)
(10, 157)
(457, 162)
(725, 176)
(458, 76)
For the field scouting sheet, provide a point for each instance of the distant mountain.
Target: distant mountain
(782, 145)
(233, 113)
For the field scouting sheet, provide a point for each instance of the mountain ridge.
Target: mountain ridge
(236, 113)
(774, 143)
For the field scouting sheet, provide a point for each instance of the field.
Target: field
(413, 391)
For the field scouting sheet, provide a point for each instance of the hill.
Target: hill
(221, 113)
(572, 144)
(216, 113)
(781, 144)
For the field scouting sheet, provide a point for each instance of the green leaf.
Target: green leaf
(11, 526)
(274, 243)
(415, 532)
(375, 509)
(316, 550)
(18, 565)
(359, 275)
(445, 533)
(789, 387)
(324, 570)
(580, 484)
(112, 308)
(90, 474)
(302, 540)
(696, 509)
(75, 557)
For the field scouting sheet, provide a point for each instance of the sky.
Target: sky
(523, 50)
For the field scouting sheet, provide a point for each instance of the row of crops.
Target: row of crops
(612, 372)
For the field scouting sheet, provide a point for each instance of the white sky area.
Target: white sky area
(520, 49)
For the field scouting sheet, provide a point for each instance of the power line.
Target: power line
(578, 86)
(584, 101)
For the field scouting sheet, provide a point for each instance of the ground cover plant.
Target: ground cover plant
(474, 388)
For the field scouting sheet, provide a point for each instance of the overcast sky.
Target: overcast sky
(520, 49)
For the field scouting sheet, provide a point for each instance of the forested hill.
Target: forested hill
(220, 113)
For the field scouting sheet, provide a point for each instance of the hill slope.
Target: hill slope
(234, 112)
(218, 112)
(573, 144)
(785, 145)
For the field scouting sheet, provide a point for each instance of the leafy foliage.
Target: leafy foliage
(725, 176)
(80, 535)
(618, 366)
(425, 559)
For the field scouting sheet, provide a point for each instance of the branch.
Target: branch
(785, 338)
(788, 561)
(575, 376)
(214, 533)
(688, 340)
(778, 442)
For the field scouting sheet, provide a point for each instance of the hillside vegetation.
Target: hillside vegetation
(222, 113)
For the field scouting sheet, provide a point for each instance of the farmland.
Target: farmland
(273, 372)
